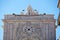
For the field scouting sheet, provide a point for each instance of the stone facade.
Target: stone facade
(29, 26)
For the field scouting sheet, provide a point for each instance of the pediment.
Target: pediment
(30, 11)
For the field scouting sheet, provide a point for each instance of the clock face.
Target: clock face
(28, 29)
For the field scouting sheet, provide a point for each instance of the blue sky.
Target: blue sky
(16, 6)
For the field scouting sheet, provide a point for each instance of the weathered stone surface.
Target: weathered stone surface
(22, 29)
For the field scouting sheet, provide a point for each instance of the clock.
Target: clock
(28, 29)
